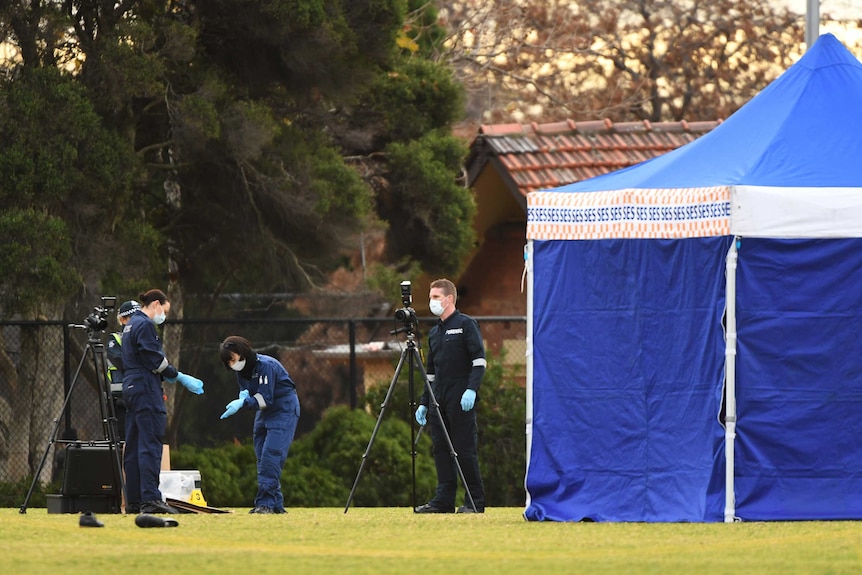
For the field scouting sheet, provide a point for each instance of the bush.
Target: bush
(338, 444)
(13, 493)
(321, 466)
(228, 473)
(502, 437)
(502, 432)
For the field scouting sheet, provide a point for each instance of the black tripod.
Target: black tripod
(411, 354)
(95, 350)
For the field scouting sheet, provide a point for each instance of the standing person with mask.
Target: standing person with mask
(455, 366)
(145, 368)
(266, 388)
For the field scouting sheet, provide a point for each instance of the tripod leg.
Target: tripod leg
(109, 420)
(377, 426)
(433, 401)
(52, 437)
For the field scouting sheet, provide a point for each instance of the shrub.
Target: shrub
(502, 432)
(321, 466)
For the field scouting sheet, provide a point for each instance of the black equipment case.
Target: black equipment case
(89, 481)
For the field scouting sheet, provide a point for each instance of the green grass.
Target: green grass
(396, 541)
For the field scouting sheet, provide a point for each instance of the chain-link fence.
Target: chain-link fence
(53, 391)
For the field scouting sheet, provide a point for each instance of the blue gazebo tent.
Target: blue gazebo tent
(695, 321)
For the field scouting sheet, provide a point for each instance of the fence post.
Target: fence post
(353, 383)
(67, 351)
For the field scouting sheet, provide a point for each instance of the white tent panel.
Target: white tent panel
(771, 212)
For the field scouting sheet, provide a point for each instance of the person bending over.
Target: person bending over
(266, 388)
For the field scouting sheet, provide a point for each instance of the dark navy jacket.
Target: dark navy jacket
(271, 391)
(144, 361)
(456, 356)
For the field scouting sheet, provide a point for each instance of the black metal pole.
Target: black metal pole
(351, 325)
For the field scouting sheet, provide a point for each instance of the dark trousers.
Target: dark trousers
(272, 439)
(142, 458)
(464, 433)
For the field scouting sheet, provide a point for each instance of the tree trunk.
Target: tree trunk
(173, 340)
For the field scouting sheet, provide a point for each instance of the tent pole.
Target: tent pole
(730, 382)
(528, 265)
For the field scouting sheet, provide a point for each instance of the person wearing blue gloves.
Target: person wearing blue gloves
(266, 388)
(145, 368)
(455, 366)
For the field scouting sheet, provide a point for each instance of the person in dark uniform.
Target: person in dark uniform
(114, 355)
(145, 367)
(266, 388)
(455, 366)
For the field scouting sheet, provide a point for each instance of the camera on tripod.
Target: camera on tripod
(98, 319)
(406, 314)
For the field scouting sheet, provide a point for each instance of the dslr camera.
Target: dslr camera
(98, 319)
(406, 314)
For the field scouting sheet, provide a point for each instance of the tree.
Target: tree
(61, 184)
(624, 60)
(211, 146)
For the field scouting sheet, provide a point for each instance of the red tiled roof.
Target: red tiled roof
(541, 156)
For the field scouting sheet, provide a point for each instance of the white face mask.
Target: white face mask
(160, 318)
(437, 307)
(238, 365)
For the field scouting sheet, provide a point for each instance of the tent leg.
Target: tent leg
(730, 382)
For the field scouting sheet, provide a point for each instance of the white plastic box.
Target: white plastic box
(182, 484)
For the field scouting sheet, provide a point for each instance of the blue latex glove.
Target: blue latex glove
(191, 383)
(232, 408)
(235, 405)
(468, 400)
(421, 412)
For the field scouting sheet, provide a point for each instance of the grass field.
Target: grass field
(383, 541)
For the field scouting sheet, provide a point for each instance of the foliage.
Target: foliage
(313, 48)
(228, 473)
(13, 493)
(321, 466)
(387, 279)
(434, 213)
(338, 444)
(623, 60)
(36, 254)
(502, 436)
(416, 97)
(240, 114)
(422, 31)
(62, 189)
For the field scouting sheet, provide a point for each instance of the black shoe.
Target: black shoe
(261, 510)
(133, 508)
(146, 520)
(157, 507)
(428, 508)
(89, 520)
(465, 509)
